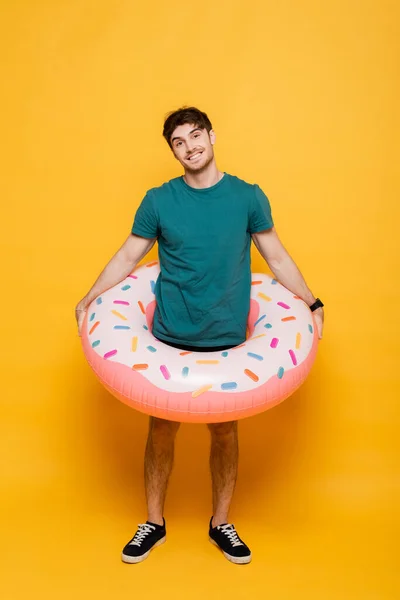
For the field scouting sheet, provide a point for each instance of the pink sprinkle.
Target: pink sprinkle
(283, 305)
(121, 302)
(111, 353)
(274, 342)
(165, 372)
(132, 276)
(293, 357)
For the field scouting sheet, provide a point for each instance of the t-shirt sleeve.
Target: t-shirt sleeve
(260, 216)
(146, 221)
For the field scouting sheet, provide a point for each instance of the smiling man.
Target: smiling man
(204, 222)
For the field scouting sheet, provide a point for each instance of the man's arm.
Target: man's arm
(281, 264)
(118, 268)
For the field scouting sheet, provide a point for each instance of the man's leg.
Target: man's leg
(158, 463)
(224, 466)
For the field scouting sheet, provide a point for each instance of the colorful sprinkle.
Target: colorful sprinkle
(133, 276)
(274, 281)
(260, 319)
(94, 327)
(224, 354)
(310, 329)
(145, 327)
(110, 353)
(207, 362)
(264, 297)
(293, 357)
(230, 385)
(256, 282)
(184, 353)
(297, 298)
(274, 342)
(140, 367)
(185, 371)
(151, 348)
(152, 264)
(99, 301)
(281, 371)
(121, 327)
(258, 336)
(134, 344)
(121, 302)
(268, 326)
(164, 371)
(256, 356)
(283, 305)
(125, 287)
(298, 340)
(92, 316)
(141, 307)
(250, 374)
(96, 343)
(288, 319)
(153, 286)
(117, 314)
(201, 390)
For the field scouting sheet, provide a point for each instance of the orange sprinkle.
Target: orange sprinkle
(117, 314)
(288, 319)
(264, 297)
(298, 340)
(94, 327)
(236, 347)
(256, 282)
(141, 307)
(152, 264)
(250, 374)
(257, 336)
(134, 344)
(184, 353)
(297, 298)
(207, 362)
(201, 390)
(140, 367)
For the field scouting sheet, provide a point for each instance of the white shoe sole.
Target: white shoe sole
(238, 560)
(137, 559)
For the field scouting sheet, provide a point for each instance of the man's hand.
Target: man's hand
(319, 319)
(80, 312)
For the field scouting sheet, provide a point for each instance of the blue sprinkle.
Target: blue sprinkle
(256, 356)
(268, 325)
(125, 287)
(145, 327)
(99, 301)
(281, 372)
(260, 319)
(230, 385)
(121, 327)
(96, 343)
(185, 371)
(224, 354)
(274, 281)
(92, 316)
(153, 286)
(310, 329)
(151, 348)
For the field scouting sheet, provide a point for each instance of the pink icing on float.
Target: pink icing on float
(202, 387)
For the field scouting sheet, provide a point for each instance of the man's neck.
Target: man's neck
(204, 179)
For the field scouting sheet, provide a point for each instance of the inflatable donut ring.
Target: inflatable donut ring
(199, 387)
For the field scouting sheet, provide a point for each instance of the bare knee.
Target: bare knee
(222, 430)
(163, 428)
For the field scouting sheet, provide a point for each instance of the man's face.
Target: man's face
(193, 147)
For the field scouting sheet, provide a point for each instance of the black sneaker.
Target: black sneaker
(148, 536)
(226, 538)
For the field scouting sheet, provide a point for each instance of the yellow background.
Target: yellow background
(304, 100)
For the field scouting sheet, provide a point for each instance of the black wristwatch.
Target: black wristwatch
(317, 304)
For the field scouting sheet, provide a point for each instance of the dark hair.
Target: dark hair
(186, 114)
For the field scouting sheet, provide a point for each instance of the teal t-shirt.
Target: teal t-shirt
(203, 289)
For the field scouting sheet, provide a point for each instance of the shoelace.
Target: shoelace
(230, 531)
(144, 529)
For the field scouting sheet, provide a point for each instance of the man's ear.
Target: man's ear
(212, 136)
